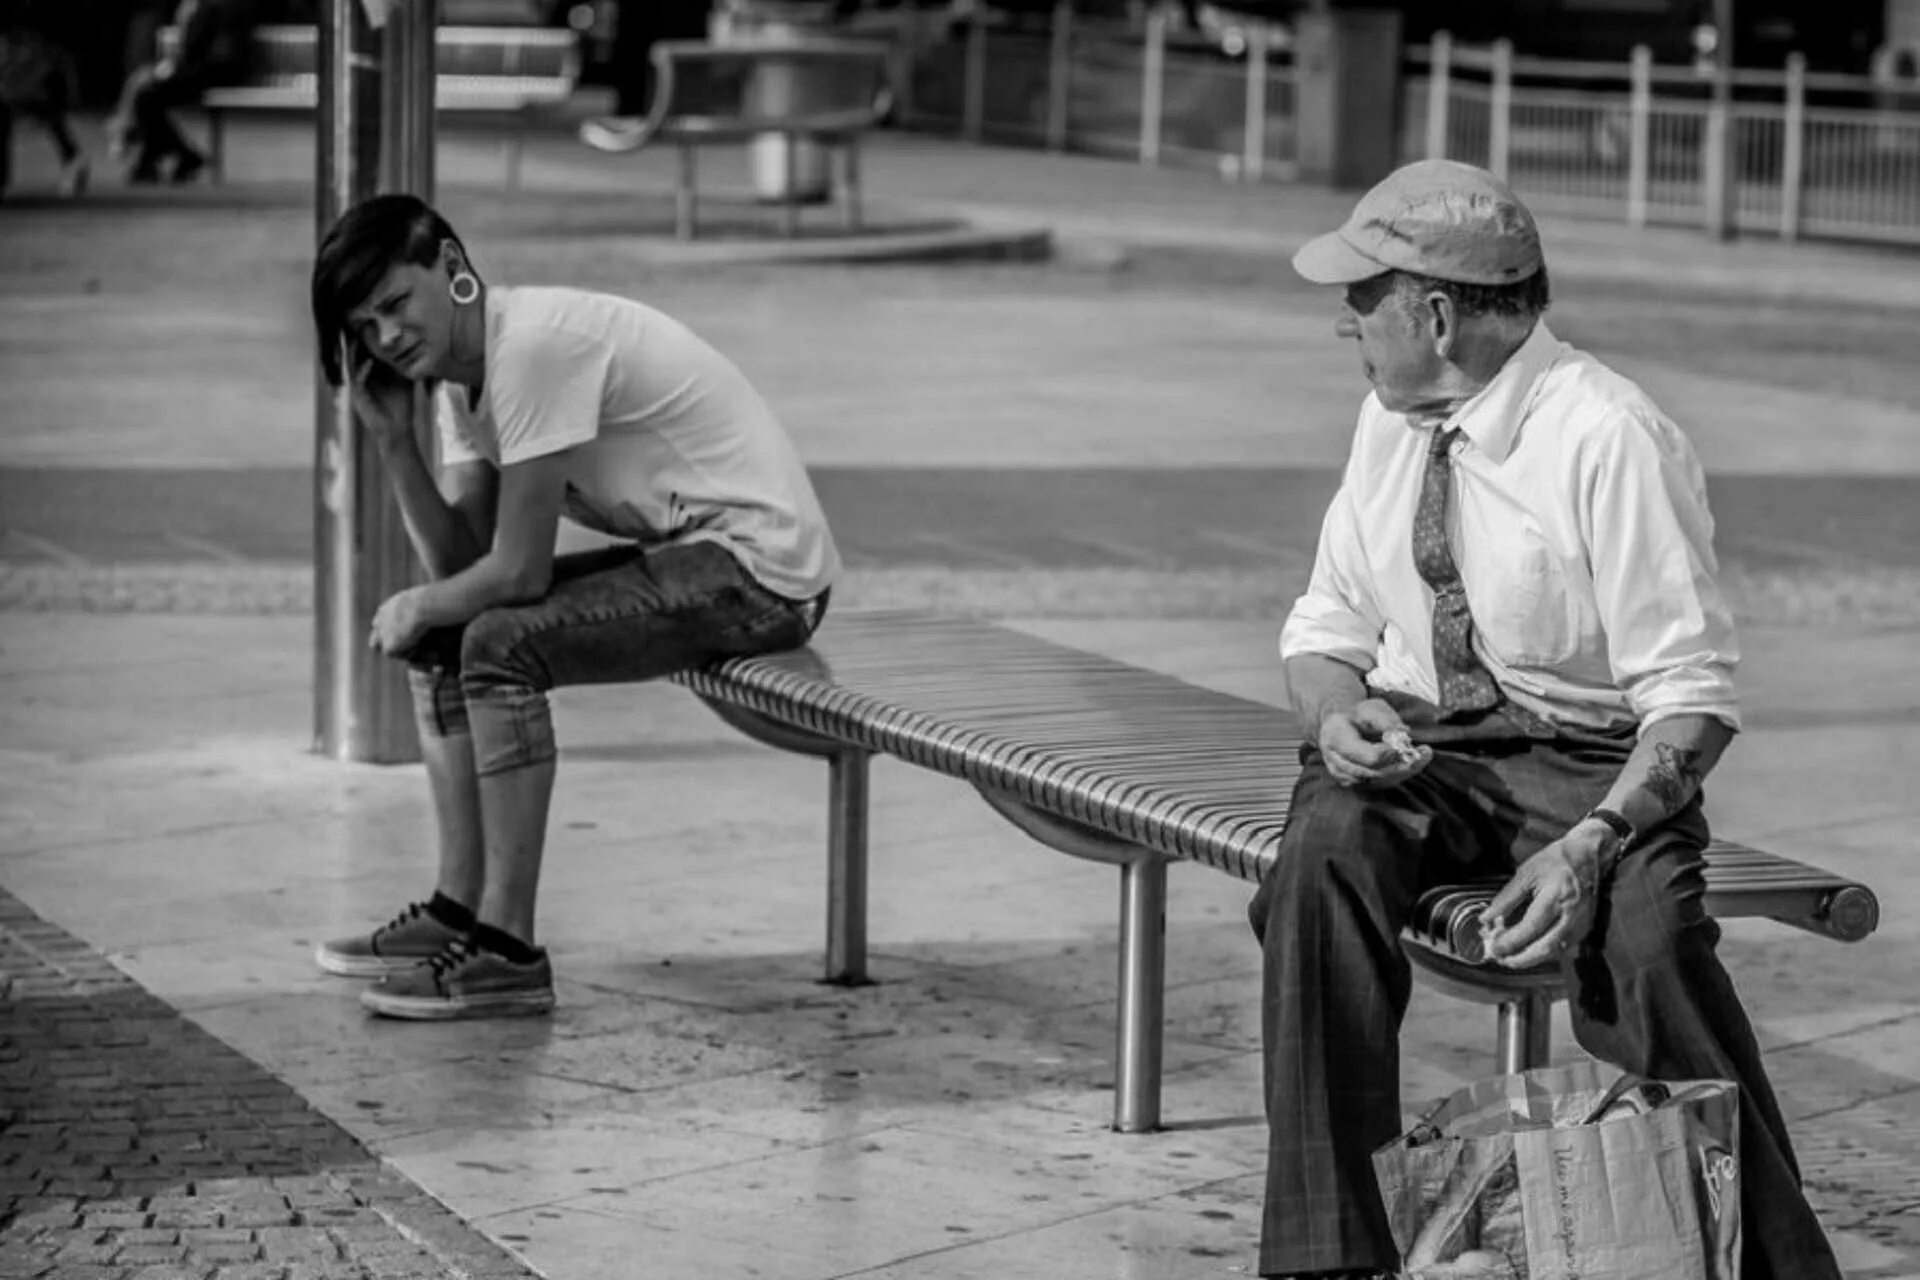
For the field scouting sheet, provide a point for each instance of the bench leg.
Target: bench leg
(1143, 966)
(847, 868)
(790, 203)
(216, 147)
(683, 197)
(1526, 1034)
(850, 182)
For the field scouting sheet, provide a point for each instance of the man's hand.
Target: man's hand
(399, 623)
(1369, 746)
(382, 399)
(1554, 895)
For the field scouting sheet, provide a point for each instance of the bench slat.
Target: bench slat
(1185, 771)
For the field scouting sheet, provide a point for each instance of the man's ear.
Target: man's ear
(1445, 321)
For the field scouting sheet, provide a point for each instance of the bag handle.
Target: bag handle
(1618, 1090)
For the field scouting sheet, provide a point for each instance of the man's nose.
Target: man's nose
(1347, 326)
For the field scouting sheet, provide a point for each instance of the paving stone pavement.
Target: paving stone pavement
(135, 1146)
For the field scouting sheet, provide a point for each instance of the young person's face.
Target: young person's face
(407, 321)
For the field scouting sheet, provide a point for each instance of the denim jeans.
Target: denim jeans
(612, 616)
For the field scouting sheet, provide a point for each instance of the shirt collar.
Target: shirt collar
(1492, 419)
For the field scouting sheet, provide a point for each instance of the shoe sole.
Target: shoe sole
(345, 966)
(501, 1004)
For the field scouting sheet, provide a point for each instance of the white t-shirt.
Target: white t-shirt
(670, 441)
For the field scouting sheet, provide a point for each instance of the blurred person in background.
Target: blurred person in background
(38, 81)
(212, 45)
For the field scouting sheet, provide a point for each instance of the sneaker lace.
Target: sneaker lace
(450, 957)
(412, 912)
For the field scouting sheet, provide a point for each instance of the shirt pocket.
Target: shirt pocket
(1522, 601)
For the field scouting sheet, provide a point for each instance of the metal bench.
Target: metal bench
(513, 72)
(1120, 765)
(827, 92)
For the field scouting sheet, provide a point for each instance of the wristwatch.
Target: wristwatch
(1623, 834)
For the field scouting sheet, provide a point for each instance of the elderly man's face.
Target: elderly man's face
(1397, 341)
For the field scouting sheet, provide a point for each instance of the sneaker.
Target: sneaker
(614, 133)
(464, 982)
(401, 943)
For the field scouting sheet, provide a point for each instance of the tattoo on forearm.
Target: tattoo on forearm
(1674, 775)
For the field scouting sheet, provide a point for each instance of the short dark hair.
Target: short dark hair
(365, 243)
(1521, 300)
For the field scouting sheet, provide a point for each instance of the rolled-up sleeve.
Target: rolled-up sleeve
(1337, 617)
(1670, 636)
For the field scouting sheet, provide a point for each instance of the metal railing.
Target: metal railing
(1651, 144)
(1106, 88)
(1645, 143)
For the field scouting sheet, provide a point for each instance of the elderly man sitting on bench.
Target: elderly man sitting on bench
(1513, 658)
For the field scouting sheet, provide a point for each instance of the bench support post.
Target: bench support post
(1143, 964)
(1526, 1033)
(216, 147)
(790, 197)
(850, 181)
(683, 196)
(847, 868)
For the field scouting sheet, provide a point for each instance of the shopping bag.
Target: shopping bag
(1576, 1172)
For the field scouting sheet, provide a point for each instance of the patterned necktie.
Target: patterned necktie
(1465, 683)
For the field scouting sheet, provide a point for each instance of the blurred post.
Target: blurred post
(1500, 110)
(1793, 159)
(1153, 79)
(1253, 133)
(973, 103)
(1439, 93)
(1639, 135)
(1722, 163)
(376, 134)
(1059, 74)
(1347, 64)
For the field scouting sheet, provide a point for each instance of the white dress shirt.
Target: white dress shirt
(1580, 526)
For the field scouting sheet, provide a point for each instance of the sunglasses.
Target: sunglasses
(1363, 297)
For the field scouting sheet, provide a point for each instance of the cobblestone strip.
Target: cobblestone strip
(135, 1146)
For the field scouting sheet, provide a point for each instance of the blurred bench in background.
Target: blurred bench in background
(510, 72)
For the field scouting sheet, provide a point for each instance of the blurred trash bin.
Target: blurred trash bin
(781, 89)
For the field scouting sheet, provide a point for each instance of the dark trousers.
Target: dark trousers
(1648, 991)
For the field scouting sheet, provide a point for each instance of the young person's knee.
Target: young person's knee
(494, 655)
(439, 702)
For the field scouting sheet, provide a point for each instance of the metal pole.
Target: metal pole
(847, 868)
(1526, 1034)
(376, 134)
(1143, 976)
